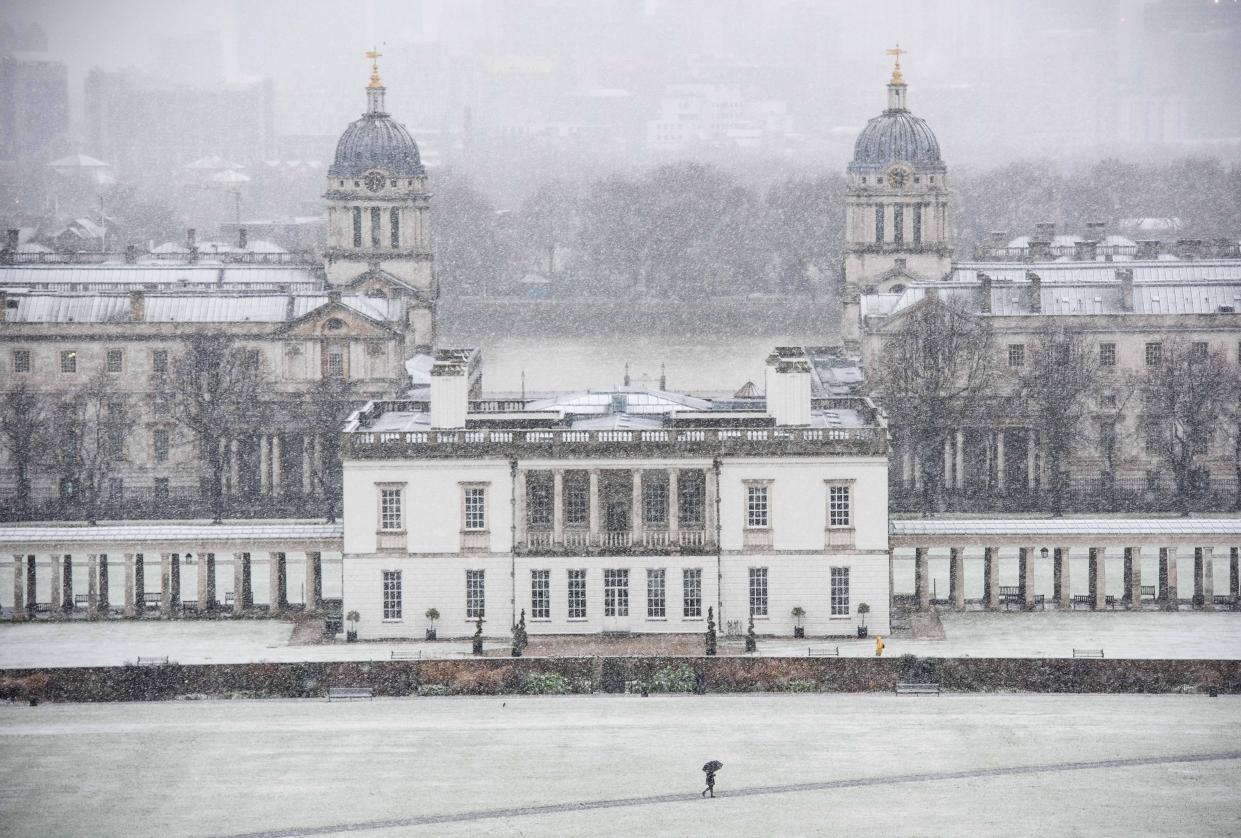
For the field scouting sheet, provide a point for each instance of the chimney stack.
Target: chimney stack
(999, 239)
(449, 394)
(1045, 231)
(984, 292)
(1096, 231)
(1035, 297)
(131, 254)
(12, 238)
(1125, 276)
(137, 306)
(1189, 248)
(1147, 249)
(243, 239)
(191, 239)
(1085, 251)
(333, 295)
(788, 387)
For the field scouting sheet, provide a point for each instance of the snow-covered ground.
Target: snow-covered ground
(1146, 634)
(623, 765)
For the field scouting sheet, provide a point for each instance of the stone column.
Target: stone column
(277, 475)
(1204, 582)
(66, 592)
(1026, 561)
(234, 467)
(239, 581)
(1064, 579)
(1172, 597)
(674, 504)
(907, 466)
(947, 462)
(129, 585)
(519, 509)
(32, 586)
(203, 602)
(635, 515)
(105, 598)
(165, 584)
(956, 578)
(922, 573)
(1031, 459)
(710, 516)
(19, 586)
(557, 507)
(1133, 575)
(279, 597)
(140, 583)
(1098, 577)
(174, 582)
(594, 506)
(56, 589)
(960, 460)
(92, 584)
(307, 466)
(991, 577)
(264, 465)
(1234, 573)
(999, 461)
(314, 580)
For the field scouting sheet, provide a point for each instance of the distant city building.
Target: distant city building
(34, 105)
(712, 113)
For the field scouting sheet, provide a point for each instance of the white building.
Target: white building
(627, 510)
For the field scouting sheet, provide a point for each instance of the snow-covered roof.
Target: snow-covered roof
(191, 307)
(1174, 270)
(124, 277)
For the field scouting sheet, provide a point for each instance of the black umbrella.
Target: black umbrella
(713, 765)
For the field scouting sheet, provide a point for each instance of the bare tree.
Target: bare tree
(323, 410)
(217, 390)
(23, 426)
(91, 426)
(1185, 396)
(933, 372)
(1055, 387)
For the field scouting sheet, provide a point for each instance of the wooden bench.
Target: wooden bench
(1148, 592)
(150, 600)
(230, 598)
(1080, 599)
(81, 601)
(823, 652)
(189, 605)
(909, 688)
(406, 655)
(1088, 653)
(1225, 600)
(1110, 602)
(43, 608)
(153, 661)
(349, 693)
(1040, 601)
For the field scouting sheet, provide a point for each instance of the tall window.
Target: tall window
(390, 509)
(392, 594)
(839, 506)
(475, 594)
(1016, 354)
(539, 500)
(116, 360)
(656, 601)
(758, 591)
(475, 508)
(840, 591)
(336, 362)
(21, 360)
(577, 595)
(1154, 354)
(159, 361)
(376, 215)
(540, 595)
(756, 506)
(576, 499)
(898, 223)
(1199, 348)
(879, 223)
(691, 592)
(357, 226)
(1107, 354)
(692, 488)
(917, 223)
(616, 593)
(160, 445)
(654, 501)
(69, 360)
(394, 221)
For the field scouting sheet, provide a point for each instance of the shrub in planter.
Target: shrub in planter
(799, 614)
(862, 610)
(710, 631)
(520, 640)
(478, 637)
(352, 634)
(547, 683)
(673, 679)
(432, 615)
(751, 639)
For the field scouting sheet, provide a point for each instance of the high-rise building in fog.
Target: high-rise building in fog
(34, 104)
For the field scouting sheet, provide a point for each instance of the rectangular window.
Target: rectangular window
(616, 593)
(1107, 354)
(394, 218)
(1016, 354)
(577, 595)
(159, 361)
(656, 601)
(375, 216)
(879, 231)
(840, 592)
(839, 506)
(116, 360)
(539, 500)
(758, 591)
(1154, 354)
(576, 499)
(159, 444)
(692, 489)
(1199, 348)
(756, 506)
(357, 226)
(392, 594)
(475, 498)
(655, 501)
(161, 488)
(475, 594)
(540, 595)
(390, 517)
(691, 591)
(917, 223)
(336, 362)
(21, 360)
(898, 224)
(69, 360)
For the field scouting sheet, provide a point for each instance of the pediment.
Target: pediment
(378, 280)
(336, 321)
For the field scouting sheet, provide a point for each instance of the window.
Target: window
(116, 360)
(161, 488)
(1016, 355)
(1199, 348)
(879, 224)
(357, 226)
(539, 500)
(616, 593)
(390, 509)
(159, 361)
(392, 594)
(758, 591)
(375, 216)
(21, 360)
(159, 445)
(692, 488)
(691, 592)
(69, 360)
(839, 506)
(1107, 354)
(840, 591)
(756, 506)
(576, 499)
(475, 508)
(394, 218)
(250, 358)
(656, 602)
(898, 224)
(336, 362)
(654, 501)
(540, 595)
(917, 221)
(1154, 354)
(577, 595)
(475, 594)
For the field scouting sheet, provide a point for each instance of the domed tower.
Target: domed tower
(379, 238)
(896, 215)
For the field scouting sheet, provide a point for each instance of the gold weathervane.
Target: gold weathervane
(374, 55)
(896, 71)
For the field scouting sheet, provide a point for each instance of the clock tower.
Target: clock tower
(896, 214)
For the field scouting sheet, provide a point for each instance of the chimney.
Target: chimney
(1125, 277)
(984, 292)
(137, 306)
(191, 239)
(131, 254)
(1039, 249)
(1045, 231)
(1147, 249)
(1035, 298)
(333, 295)
(1085, 251)
(998, 239)
(449, 394)
(1189, 248)
(12, 238)
(1096, 231)
(243, 240)
(663, 378)
(788, 389)
(4, 306)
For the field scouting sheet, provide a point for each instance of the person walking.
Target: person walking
(878, 646)
(711, 767)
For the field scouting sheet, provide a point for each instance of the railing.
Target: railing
(839, 537)
(656, 538)
(539, 539)
(692, 538)
(756, 539)
(576, 539)
(1203, 250)
(1125, 494)
(475, 541)
(580, 540)
(390, 540)
(617, 539)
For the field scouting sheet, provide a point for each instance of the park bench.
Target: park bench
(1081, 599)
(1148, 592)
(150, 600)
(349, 693)
(823, 652)
(81, 601)
(190, 605)
(1088, 653)
(161, 660)
(1225, 600)
(1110, 602)
(1040, 601)
(406, 654)
(1010, 595)
(43, 608)
(910, 688)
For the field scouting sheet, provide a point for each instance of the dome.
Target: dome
(376, 141)
(896, 136)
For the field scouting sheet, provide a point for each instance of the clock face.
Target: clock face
(897, 178)
(375, 181)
